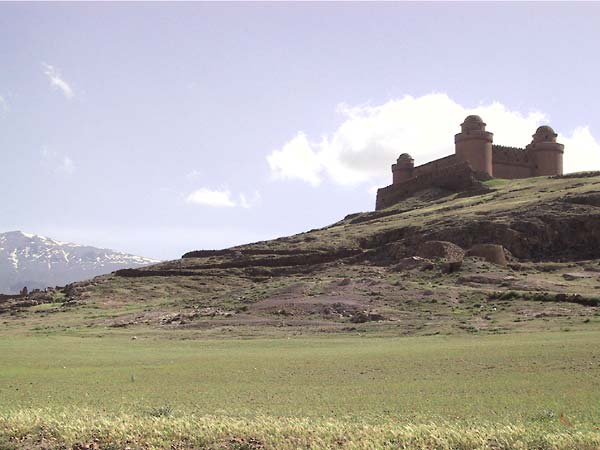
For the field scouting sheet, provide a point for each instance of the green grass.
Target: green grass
(496, 182)
(303, 393)
(486, 366)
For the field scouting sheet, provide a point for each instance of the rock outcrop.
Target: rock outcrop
(440, 249)
(540, 221)
(492, 253)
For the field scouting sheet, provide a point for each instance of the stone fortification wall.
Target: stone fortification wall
(475, 158)
(511, 162)
(456, 177)
(510, 155)
(436, 165)
(6, 297)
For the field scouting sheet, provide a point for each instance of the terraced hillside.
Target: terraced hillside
(370, 272)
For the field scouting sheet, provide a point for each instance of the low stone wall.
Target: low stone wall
(6, 297)
(234, 251)
(297, 259)
(138, 273)
(457, 177)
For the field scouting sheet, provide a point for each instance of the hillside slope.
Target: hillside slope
(37, 261)
(371, 272)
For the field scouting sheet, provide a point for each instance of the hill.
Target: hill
(37, 262)
(383, 271)
(447, 321)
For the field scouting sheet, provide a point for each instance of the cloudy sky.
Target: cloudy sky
(161, 128)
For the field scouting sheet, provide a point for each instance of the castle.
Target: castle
(476, 158)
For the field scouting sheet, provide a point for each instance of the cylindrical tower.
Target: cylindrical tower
(474, 145)
(403, 169)
(546, 153)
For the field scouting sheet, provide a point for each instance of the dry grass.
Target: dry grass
(86, 429)
(529, 391)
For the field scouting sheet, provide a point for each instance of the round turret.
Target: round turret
(546, 153)
(474, 145)
(405, 158)
(544, 133)
(403, 169)
(472, 123)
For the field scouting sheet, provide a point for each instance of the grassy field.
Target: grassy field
(289, 344)
(537, 390)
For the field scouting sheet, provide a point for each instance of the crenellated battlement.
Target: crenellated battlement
(475, 153)
(455, 177)
(436, 165)
(510, 155)
(505, 153)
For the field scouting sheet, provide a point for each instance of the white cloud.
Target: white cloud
(296, 160)
(58, 163)
(222, 198)
(582, 151)
(3, 105)
(249, 202)
(57, 82)
(67, 165)
(214, 198)
(370, 139)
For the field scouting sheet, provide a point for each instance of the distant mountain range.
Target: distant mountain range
(38, 262)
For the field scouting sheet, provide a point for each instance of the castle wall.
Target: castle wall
(475, 158)
(434, 165)
(455, 177)
(511, 171)
(511, 162)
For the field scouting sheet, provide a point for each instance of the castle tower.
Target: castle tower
(403, 169)
(546, 153)
(474, 145)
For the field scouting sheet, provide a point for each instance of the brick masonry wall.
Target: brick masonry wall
(457, 177)
(511, 162)
(432, 166)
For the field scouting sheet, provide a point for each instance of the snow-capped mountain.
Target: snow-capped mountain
(38, 262)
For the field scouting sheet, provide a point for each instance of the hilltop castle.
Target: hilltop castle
(475, 158)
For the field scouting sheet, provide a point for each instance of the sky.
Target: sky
(160, 128)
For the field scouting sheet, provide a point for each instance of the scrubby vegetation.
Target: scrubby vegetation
(547, 297)
(341, 337)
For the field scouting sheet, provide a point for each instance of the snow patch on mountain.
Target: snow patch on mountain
(34, 261)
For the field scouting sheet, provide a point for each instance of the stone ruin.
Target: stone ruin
(476, 158)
